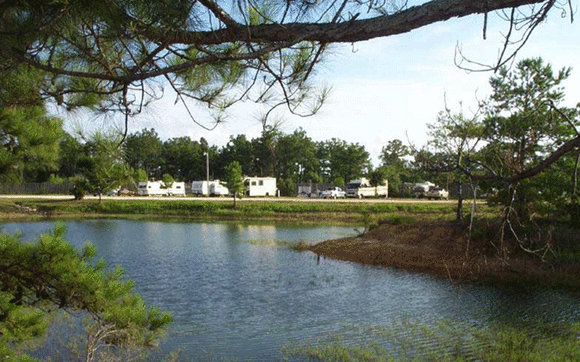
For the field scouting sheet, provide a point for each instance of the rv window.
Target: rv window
(261, 183)
(177, 187)
(253, 183)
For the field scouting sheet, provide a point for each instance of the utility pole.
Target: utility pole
(207, 170)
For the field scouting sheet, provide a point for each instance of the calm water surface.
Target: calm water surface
(237, 293)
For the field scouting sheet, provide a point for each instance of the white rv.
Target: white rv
(362, 188)
(217, 189)
(199, 188)
(176, 189)
(156, 188)
(261, 186)
(212, 188)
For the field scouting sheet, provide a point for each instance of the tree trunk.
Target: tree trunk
(575, 180)
(459, 217)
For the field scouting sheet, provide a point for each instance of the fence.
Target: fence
(35, 189)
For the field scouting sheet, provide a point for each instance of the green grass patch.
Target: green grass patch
(275, 210)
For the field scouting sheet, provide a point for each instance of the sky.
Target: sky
(390, 88)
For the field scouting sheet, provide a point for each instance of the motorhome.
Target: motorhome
(362, 188)
(157, 188)
(211, 188)
(261, 186)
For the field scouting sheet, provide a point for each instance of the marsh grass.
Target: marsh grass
(443, 342)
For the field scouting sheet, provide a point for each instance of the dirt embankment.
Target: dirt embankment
(443, 249)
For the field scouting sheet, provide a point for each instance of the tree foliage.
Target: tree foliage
(108, 169)
(111, 56)
(29, 137)
(39, 278)
(521, 146)
(143, 150)
(234, 179)
(394, 165)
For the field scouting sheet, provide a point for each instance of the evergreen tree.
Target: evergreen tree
(39, 278)
(29, 138)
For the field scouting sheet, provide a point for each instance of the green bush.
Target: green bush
(81, 187)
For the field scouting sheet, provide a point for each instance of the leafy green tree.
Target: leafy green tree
(29, 138)
(74, 159)
(40, 278)
(394, 165)
(344, 161)
(167, 180)
(393, 154)
(265, 151)
(234, 179)
(139, 175)
(296, 162)
(110, 171)
(239, 148)
(377, 177)
(184, 158)
(143, 150)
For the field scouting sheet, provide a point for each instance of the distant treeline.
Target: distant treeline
(292, 158)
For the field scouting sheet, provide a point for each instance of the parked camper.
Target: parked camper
(157, 188)
(362, 188)
(420, 190)
(199, 188)
(211, 188)
(260, 186)
(150, 188)
(176, 189)
(217, 189)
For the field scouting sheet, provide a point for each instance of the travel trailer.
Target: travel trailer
(157, 188)
(261, 186)
(211, 188)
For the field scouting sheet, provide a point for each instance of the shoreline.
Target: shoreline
(439, 249)
(415, 237)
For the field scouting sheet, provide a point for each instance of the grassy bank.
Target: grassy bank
(355, 213)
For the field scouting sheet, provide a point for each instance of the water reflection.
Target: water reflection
(237, 293)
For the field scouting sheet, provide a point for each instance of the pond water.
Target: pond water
(237, 292)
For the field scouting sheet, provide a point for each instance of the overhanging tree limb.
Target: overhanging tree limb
(345, 32)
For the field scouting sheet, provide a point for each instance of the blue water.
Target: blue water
(237, 293)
